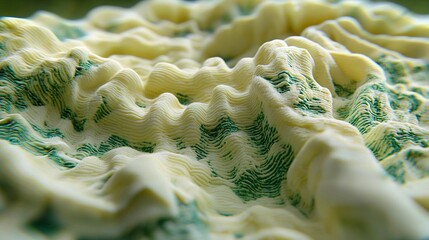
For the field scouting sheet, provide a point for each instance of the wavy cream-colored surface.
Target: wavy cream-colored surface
(216, 120)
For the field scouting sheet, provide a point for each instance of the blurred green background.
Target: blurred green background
(417, 6)
(73, 9)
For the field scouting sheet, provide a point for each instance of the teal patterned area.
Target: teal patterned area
(409, 99)
(282, 81)
(397, 172)
(411, 160)
(84, 67)
(373, 102)
(48, 132)
(67, 31)
(183, 99)
(46, 223)
(36, 90)
(17, 133)
(367, 108)
(378, 101)
(343, 91)
(263, 179)
(77, 122)
(394, 141)
(53, 84)
(188, 224)
(214, 137)
(395, 69)
(112, 142)
(102, 111)
(47, 87)
(246, 8)
(310, 105)
(180, 144)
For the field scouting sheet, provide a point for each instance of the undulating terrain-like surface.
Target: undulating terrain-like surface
(216, 120)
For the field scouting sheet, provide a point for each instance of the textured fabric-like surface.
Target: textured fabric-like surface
(216, 120)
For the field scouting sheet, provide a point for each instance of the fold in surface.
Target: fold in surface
(216, 120)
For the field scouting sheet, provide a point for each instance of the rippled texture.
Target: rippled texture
(216, 120)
